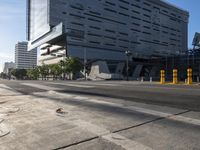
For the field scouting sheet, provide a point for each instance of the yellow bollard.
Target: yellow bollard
(162, 77)
(175, 76)
(189, 76)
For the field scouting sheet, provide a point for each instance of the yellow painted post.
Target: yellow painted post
(189, 76)
(162, 77)
(175, 76)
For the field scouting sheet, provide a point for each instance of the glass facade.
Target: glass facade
(38, 18)
(107, 28)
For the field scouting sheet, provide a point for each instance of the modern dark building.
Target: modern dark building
(105, 29)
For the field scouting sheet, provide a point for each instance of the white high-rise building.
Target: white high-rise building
(25, 59)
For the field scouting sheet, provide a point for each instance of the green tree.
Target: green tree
(20, 74)
(44, 71)
(72, 66)
(55, 70)
(3, 75)
(33, 74)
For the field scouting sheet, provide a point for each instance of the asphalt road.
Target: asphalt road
(178, 96)
(114, 115)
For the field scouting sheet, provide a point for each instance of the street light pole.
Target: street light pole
(85, 54)
(166, 66)
(128, 54)
(127, 67)
(85, 62)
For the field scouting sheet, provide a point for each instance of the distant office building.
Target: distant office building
(105, 29)
(8, 66)
(25, 59)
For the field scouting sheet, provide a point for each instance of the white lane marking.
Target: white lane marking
(80, 97)
(80, 86)
(158, 113)
(186, 120)
(74, 85)
(101, 83)
(125, 142)
(137, 109)
(86, 84)
(4, 86)
(111, 137)
(56, 93)
(104, 84)
(43, 87)
(7, 91)
(149, 111)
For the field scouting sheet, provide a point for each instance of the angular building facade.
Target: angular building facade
(25, 59)
(105, 29)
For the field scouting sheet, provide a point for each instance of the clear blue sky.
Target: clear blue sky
(13, 24)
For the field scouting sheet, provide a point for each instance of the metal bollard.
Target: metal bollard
(162, 77)
(197, 79)
(175, 76)
(189, 76)
(142, 79)
(151, 79)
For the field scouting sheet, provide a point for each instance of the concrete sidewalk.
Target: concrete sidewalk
(91, 122)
